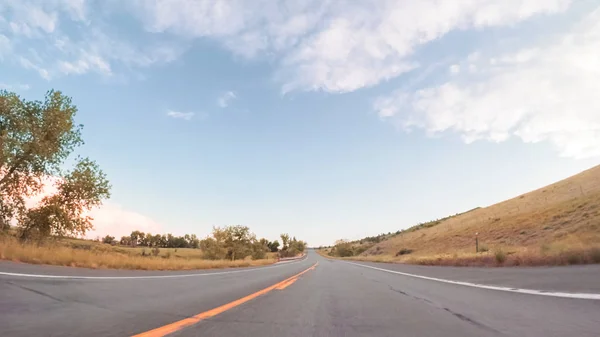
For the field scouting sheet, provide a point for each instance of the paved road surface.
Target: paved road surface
(335, 298)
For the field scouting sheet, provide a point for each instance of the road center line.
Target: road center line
(179, 325)
(585, 296)
(71, 277)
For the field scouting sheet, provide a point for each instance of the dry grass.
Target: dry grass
(557, 224)
(106, 256)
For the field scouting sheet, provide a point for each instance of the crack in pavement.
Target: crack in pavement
(455, 314)
(35, 291)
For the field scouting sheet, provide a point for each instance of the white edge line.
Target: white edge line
(75, 277)
(586, 296)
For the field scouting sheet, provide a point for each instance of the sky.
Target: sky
(323, 119)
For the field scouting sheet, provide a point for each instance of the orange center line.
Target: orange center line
(176, 326)
(286, 284)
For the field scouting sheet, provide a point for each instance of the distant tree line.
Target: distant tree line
(230, 242)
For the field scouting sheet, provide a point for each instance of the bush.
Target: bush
(108, 239)
(500, 256)
(155, 251)
(483, 248)
(404, 251)
(595, 255)
(574, 258)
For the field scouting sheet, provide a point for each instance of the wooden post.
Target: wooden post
(476, 243)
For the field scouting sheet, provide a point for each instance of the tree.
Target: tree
(274, 246)
(64, 212)
(135, 237)
(108, 239)
(125, 241)
(36, 138)
(259, 248)
(285, 238)
(149, 240)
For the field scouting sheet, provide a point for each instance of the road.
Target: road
(311, 297)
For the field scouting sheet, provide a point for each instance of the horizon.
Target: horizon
(303, 118)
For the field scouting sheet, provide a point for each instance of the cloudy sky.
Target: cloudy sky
(324, 119)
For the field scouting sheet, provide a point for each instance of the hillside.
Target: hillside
(562, 218)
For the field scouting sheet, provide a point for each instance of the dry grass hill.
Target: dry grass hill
(557, 224)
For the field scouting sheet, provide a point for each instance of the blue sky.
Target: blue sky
(323, 119)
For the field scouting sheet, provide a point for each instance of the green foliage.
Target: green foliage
(108, 239)
(293, 247)
(125, 241)
(342, 248)
(273, 246)
(35, 140)
(237, 243)
(63, 213)
(285, 238)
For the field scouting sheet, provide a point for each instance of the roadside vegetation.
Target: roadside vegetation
(37, 140)
(555, 225)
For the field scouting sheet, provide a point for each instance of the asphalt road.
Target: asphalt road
(336, 298)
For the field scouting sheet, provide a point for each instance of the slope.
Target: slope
(560, 220)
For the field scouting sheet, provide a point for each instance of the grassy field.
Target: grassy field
(557, 224)
(90, 254)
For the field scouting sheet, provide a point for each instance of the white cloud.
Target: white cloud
(226, 98)
(546, 93)
(17, 86)
(114, 220)
(5, 46)
(27, 64)
(84, 63)
(336, 46)
(88, 46)
(180, 115)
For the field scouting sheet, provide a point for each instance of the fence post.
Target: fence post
(476, 243)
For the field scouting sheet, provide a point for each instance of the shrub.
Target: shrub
(404, 251)
(500, 256)
(574, 257)
(155, 251)
(595, 255)
(483, 248)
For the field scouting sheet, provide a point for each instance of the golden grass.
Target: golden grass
(107, 257)
(547, 226)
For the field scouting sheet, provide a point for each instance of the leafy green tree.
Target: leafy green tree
(274, 246)
(259, 248)
(125, 241)
(285, 238)
(108, 239)
(36, 138)
(212, 249)
(149, 240)
(64, 212)
(136, 237)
